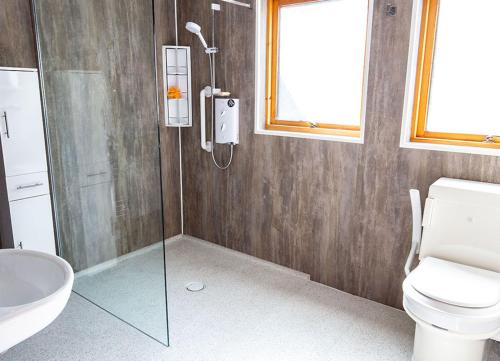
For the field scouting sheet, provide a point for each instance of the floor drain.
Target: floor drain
(195, 286)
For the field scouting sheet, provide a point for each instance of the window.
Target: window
(315, 66)
(457, 81)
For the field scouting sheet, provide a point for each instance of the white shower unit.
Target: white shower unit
(227, 121)
(25, 163)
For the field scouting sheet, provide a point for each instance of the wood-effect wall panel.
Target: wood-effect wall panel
(337, 211)
(169, 137)
(100, 90)
(17, 40)
(6, 236)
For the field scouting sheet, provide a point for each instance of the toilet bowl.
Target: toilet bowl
(453, 295)
(456, 309)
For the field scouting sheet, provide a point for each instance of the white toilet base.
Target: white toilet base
(433, 344)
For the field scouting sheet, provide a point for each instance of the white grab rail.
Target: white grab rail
(416, 209)
(206, 92)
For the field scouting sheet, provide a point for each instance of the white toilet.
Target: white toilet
(453, 295)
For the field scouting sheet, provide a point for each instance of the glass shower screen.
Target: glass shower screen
(100, 103)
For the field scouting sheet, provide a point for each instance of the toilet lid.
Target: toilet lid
(456, 284)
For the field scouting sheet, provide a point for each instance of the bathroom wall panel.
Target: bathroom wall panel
(102, 122)
(6, 236)
(17, 40)
(337, 211)
(165, 35)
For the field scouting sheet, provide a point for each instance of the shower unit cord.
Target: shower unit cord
(211, 58)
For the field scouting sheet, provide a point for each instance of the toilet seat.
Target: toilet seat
(456, 284)
(446, 312)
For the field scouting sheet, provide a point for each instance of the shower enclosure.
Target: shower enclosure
(97, 70)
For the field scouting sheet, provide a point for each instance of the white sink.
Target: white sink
(34, 289)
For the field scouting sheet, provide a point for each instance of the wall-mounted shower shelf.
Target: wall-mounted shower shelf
(177, 85)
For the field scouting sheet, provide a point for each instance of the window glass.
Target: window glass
(464, 90)
(321, 56)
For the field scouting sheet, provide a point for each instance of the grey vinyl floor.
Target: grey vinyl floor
(249, 310)
(133, 290)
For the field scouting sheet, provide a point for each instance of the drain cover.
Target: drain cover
(195, 286)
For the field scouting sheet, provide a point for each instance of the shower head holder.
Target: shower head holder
(211, 50)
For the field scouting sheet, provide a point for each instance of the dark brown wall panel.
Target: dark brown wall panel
(6, 237)
(165, 35)
(100, 91)
(337, 211)
(17, 42)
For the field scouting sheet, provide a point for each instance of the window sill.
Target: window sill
(450, 148)
(328, 137)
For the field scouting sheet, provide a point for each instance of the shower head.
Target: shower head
(196, 29)
(193, 27)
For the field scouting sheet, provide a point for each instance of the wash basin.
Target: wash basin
(34, 289)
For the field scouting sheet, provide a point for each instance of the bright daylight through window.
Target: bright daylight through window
(456, 93)
(316, 59)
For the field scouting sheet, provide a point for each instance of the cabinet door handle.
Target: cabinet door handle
(25, 186)
(4, 115)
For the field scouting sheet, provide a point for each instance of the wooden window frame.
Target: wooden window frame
(419, 134)
(302, 126)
